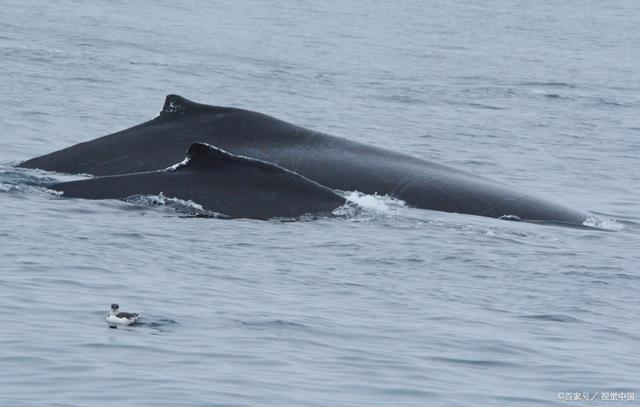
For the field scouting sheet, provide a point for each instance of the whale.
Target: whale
(222, 183)
(334, 162)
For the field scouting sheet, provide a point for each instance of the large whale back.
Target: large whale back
(160, 142)
(238, 187)
(331, 161)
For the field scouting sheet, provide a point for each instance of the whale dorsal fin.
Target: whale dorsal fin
(176, 106)
(206, 156)
(202, 154)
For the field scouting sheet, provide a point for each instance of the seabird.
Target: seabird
(116, 318)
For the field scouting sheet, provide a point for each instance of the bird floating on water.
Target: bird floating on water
(117, 318)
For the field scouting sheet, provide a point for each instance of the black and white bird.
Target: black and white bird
(117, 318)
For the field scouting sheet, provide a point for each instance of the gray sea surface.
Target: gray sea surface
(389, 306)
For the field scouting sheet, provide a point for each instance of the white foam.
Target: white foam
(375, 202)
(361, 205)
(606, 224)
(178, 165)
(180, 205)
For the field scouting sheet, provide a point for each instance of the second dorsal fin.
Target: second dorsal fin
(205, 156)
(202, 154)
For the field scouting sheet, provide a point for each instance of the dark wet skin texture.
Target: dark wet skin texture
(331, 161)
(236, 187)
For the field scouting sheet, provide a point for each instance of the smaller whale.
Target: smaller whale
(234, 186)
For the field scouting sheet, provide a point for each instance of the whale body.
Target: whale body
(334, 162)
(236, 187)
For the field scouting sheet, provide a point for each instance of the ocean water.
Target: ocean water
(389, 306)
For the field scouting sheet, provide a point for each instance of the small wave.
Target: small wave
(10, 175)
(10, 188)
(514, 218)
(551, 95)
(614, 103)
(550, 84)
(189, 208)
(5, 187)
(604, 224)
(484, 106)
(271, 323)
(157, 323)
(478, 105)
(473, 362)
(551, 318)
(406, 99)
